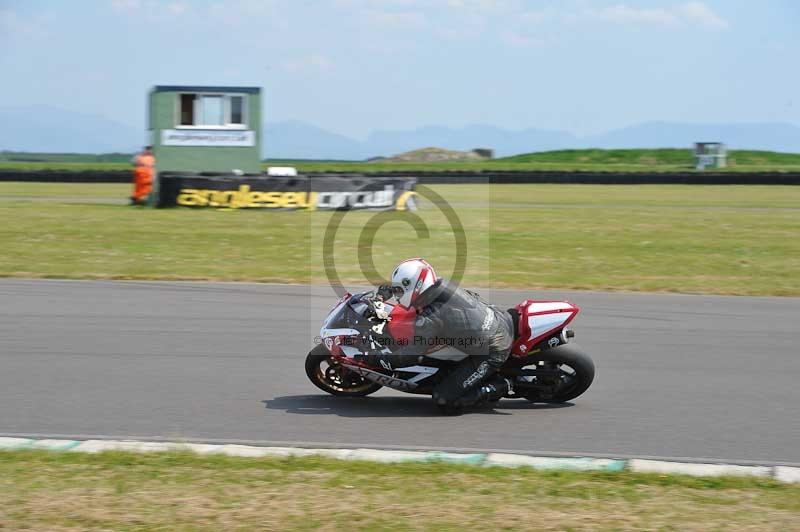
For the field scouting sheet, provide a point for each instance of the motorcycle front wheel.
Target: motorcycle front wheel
(329, 376)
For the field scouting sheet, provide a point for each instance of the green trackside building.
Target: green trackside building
(205, 128)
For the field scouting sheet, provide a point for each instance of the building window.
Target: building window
(187, 110)
(211, 107)
(237, 110)
(211, 111)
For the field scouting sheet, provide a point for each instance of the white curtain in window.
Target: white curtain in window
(213, 111)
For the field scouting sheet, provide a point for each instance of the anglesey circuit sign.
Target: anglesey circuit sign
(287, 193)
(244, 197)
(198, 137)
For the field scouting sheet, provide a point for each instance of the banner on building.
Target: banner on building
(211, 137)
(287, 193)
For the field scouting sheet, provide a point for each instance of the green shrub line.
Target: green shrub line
(609, 160)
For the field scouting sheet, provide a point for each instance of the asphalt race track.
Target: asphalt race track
(677, 376)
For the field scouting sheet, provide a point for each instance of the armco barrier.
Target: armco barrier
(55, 176)
(457, 177)
(610, 178)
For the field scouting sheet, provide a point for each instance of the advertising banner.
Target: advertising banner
(287, 193)
(211, 137)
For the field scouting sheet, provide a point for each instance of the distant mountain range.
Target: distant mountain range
(49, 129)
(42, 128)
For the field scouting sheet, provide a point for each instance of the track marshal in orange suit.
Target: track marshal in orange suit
(143, 168)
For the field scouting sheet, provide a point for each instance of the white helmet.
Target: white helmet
(410, 279)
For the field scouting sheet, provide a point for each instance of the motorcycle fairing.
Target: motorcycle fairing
(393, 381)
(381, 378)
(539, 320)
(422, 372)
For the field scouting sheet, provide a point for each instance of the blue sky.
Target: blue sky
(352, 66)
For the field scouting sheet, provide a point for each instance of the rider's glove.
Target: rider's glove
(385, 291)
(426, 312)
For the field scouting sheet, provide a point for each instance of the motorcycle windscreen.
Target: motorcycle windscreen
(343, 320)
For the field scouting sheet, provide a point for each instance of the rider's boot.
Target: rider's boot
(471, 383)
(491, 391)
(497, 389)
(462, 383)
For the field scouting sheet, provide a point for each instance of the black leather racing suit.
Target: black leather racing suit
(452, 316)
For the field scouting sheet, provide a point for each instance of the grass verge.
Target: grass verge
(181, 491)
(691, 239)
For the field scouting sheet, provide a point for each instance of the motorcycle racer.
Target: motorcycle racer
(453, 316)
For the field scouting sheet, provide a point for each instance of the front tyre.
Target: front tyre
(329, 376)
(575, 374)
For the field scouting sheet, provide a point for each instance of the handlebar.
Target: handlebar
(384, 291)
(375, 303)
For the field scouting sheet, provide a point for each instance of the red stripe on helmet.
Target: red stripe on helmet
(420, 281)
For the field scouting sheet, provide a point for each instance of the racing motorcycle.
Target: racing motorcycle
(544, 366)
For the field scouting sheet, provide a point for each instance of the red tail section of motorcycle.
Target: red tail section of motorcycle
(541, 321)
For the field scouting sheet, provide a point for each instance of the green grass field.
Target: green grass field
(647, 160)
(690, 239)
(43, 490)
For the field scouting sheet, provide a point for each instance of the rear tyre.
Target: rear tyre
(329, 376)
(576, 374)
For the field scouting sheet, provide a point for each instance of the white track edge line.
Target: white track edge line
(372, 445)
(780, 473)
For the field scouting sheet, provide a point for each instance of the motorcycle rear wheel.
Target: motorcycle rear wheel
(577, 371)
(329, 376)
